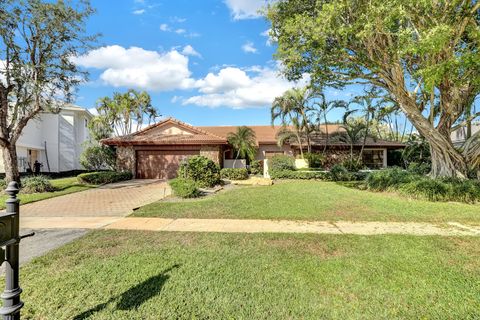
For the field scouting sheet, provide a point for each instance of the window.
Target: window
(86, 123)
(373, 159)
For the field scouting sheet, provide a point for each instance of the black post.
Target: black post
(11, 294)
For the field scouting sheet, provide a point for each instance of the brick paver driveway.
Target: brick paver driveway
(113, 200)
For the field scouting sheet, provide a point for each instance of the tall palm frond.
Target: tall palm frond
(243, 142)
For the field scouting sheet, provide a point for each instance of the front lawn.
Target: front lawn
(62, 186)
(312, 200)
(155, 275)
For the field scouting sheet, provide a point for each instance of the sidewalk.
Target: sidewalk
(251, 226)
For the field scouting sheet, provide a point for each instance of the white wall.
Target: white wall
(240, 163)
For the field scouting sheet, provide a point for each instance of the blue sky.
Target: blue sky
(205, 62)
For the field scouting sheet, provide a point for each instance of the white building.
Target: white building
(459, 136)
(54, 139)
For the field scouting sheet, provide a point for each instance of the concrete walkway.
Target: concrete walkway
(254, 226)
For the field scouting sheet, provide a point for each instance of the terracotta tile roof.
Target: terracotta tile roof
(264, 134)
(218, 135)
(149, 136)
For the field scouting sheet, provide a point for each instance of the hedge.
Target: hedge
(103, 177)
(184, 188)
(299, 174)
(281, 162)
(234, 173)
(36, 184)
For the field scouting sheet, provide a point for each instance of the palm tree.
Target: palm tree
(292, 109)
(354, 131)
(324, 107)
(244, 143)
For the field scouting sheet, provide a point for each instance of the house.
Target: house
(459, 136)
(157, 151)
(54, 139)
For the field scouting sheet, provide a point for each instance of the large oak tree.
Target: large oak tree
(37, 42)
(424, 53)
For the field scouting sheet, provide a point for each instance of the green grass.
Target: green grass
(154, 275)
(312, 200)
(62, 186)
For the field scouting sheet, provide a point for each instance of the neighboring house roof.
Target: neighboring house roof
(459, 136)
(157, 134)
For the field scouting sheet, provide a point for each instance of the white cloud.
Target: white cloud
(266, 34)
(235, 88)
(245, 9)
(139, 11)
(178, 19)
(188, 50)
(164, 27)
(139, 68)
(249, 47)
(180, 31)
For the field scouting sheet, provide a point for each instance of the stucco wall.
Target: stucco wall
(126, 159)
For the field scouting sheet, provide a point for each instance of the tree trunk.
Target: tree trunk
(10, 163)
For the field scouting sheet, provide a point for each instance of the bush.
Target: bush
(36, 184)
(200, 169)
(462, 190)
(429, 189)
(3, 184)
(256, 167)
(234, 173)
(300, 175)
(353, 165)
(388, 179)
(419, 168)
(103, 177)
(315, 160)
(340, 173)
(98, 157)
(184, 188)
(281, 162)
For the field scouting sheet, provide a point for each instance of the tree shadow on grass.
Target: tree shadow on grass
(135, 296)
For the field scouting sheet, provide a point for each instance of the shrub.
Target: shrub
(353, 165)
(234, 173)
(340, 173)
(430, 189)
(184, 188)
(315, 160)
(281, 162)
(300, 174)
(103, 177)
(388, 179)
(200, 169)
(462, 190)
(3, 184)
(36, 184)
(419, 168)
(256, 167)
(98, 157)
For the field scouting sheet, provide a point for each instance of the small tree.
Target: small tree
(37, 42)
(244, 143)
(95, 155)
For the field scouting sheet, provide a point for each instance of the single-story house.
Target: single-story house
(157, 151)
(53, 139)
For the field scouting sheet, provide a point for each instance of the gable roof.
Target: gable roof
(150, 136)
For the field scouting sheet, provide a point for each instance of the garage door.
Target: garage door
(158, 164)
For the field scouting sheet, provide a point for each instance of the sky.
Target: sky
(207, 62)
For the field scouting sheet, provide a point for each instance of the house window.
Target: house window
(373, 159)
(86, 123)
